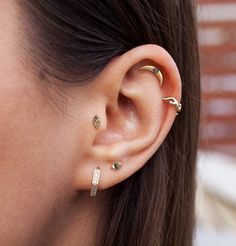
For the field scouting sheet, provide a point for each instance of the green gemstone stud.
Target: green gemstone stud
(116, 165)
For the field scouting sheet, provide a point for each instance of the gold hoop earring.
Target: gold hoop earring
(156, 71)
(173, 101)
(96, 122)
(95, 181)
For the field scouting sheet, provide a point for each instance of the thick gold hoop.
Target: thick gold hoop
(156, 71)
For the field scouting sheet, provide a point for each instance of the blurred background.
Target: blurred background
(216, 191)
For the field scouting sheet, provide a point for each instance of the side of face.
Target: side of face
(49, 147)
(40, 146)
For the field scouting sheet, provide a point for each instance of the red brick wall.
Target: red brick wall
(217, 36)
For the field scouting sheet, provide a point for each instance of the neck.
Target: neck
(79, 225)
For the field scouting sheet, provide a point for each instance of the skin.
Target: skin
(48, 156)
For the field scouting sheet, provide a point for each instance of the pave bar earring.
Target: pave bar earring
(173, 101)
(95, 181)
(156, 71)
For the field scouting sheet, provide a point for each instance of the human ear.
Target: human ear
(134, 118)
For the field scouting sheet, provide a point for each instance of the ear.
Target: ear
(134, 118)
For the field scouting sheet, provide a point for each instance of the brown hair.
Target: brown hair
(72, 40)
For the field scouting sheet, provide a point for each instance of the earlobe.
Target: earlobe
(139, 110)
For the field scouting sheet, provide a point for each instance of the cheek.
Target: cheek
(37, 158)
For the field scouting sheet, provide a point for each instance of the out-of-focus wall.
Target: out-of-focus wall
(216, 190)
(217, 36)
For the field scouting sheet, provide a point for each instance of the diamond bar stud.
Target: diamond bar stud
(95, 181)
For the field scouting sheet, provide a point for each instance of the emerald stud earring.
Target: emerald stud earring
(116, 165)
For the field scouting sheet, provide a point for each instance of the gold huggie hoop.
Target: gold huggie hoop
(174, 102)
(95, 181)
(156, 71)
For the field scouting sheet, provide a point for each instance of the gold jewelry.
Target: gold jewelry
(173, 101)
(95, 181)
(156, 71)
(96, 121)
(116, 165)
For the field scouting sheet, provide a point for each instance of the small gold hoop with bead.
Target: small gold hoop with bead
(96, 121)
(173, 101)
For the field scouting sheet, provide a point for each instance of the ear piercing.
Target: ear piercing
(156, 71)
(95, 181)
(171, 100)
(96, 177)
(174, 102)
(96, 121)
(116, 165)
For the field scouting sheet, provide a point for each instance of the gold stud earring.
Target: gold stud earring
(156, 71)
(173, 101)
(95, 181)
(116, 165)
(96, 121)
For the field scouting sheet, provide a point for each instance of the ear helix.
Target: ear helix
(171, 100)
